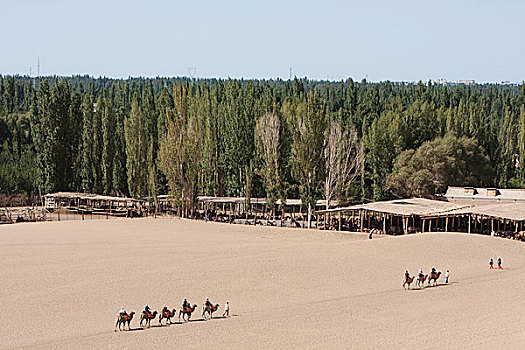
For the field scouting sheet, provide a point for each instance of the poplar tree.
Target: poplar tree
(136, 151)
(87, 160)
(309, 123)
(267, 132)
(108, 146)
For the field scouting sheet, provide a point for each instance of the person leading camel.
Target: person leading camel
(226, 309)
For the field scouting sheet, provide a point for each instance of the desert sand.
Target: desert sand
(63, 283)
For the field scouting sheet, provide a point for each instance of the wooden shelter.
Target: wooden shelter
(89, 203)
(233, 209)
(505, 219)
(395, 216)
(502, 218)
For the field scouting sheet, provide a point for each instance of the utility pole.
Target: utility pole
(192, 71)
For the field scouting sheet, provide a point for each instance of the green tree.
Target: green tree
(267, 132)
(136, 151)
(429, 169)
(309, 124)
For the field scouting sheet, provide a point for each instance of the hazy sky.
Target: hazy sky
(395, 40)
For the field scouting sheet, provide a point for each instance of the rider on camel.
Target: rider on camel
(433, 270)
(407, 275)
(165, 309)
(123, 312)
(421, 272)
(147, 310)
(208, 303)
(185, 305)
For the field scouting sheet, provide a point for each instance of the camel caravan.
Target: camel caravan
(431, 278)
(166, 314)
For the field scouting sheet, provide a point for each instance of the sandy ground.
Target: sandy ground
(62, 284)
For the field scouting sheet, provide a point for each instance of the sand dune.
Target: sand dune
(64, 282)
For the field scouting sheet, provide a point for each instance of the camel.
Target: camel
(147, 317)
(209, 309)
(434, 276)
(421, 281)
(408, 281)
(167, 315)
(187, 312)
(123, 319)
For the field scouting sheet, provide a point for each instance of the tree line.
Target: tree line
(341, 141)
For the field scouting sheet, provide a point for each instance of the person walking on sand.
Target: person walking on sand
(499, 264)
(226, 309)
(491, 263)
(446, 276)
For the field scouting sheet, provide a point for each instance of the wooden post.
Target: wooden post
(339, 221)
(384, 223)
(282, 215)
(446, 224)
(361, 217)
(469, 224)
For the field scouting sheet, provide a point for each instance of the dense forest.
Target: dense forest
(344, 141)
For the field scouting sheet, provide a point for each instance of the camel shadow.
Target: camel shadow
(156, 326)
(167, 324)
(135, 329)
(222, 317)
(441, 284)
(434, 286)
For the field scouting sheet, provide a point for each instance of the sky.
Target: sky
(377, 40)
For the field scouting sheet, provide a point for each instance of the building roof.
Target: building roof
(507, 211)
(482, 193)
(209, 199)
(92, 196)
(402, 207)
